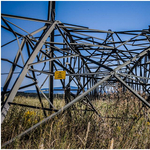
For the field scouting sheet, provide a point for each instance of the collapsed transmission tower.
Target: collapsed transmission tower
(90, 59)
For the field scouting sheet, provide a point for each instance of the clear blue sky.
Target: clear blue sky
(103, 15)
(115, 15)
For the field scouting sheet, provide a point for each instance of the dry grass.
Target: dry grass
(125, 126)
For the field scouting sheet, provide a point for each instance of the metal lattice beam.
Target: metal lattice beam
(92, 64)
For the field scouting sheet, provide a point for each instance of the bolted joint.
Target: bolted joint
(114, 50)
(112, 73)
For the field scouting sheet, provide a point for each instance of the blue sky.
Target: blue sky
(118, 15)
(115, 15)
(103, 15)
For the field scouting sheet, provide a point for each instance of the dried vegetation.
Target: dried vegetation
(126, 125)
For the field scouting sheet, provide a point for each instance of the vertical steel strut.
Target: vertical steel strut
(51, 17)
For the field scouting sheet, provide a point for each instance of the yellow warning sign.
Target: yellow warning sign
(60, 74)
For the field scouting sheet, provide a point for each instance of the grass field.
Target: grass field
(126, 125)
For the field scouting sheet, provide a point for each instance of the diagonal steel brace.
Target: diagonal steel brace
(24, 71)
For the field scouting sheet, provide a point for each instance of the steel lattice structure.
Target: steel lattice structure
(93, 60)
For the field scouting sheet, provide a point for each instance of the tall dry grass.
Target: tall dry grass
(126, 125)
